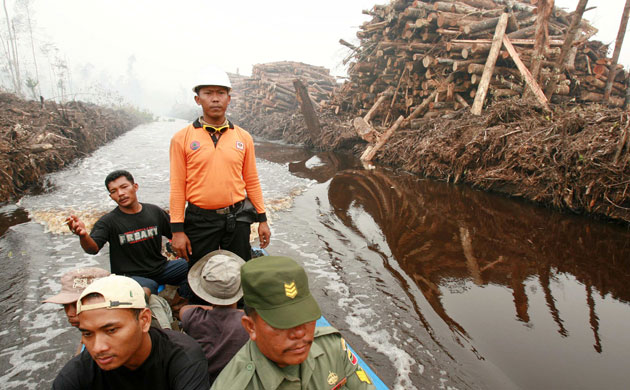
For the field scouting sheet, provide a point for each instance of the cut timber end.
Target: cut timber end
(364, 130)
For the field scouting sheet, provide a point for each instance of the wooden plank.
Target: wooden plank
(533, 85)
(482, 90)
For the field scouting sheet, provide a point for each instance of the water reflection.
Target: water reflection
(458, 245)
(11, 215)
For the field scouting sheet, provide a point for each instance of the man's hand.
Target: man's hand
(76, 226)
(181, 245)
(264, 234)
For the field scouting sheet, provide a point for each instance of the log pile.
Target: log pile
(429, 55)
(270, 88)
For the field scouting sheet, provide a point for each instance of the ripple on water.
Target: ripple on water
(41, 340)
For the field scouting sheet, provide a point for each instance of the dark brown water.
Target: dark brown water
(437, 285)
(448, 286)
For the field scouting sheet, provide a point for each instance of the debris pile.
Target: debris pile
(579, 160)
(543, 131)
(428, 56)
(37, 138)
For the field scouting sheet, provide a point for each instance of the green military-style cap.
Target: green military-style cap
(277, 287)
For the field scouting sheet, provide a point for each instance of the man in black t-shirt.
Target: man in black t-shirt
(122, 351)
(134, 231)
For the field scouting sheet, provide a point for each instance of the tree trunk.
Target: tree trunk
(566, 48)
(544, 10)
(618, 43)
(30, 30)
(480, 97)
(310, 117)
(533, 85)
(10, 49)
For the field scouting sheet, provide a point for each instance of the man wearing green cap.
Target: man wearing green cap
(285, 350)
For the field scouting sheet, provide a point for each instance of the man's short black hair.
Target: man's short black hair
(116, 174)
(136, 312)
(249, 311)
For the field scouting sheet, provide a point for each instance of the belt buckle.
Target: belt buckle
(225, 210)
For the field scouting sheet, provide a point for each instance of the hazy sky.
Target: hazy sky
(170, 41)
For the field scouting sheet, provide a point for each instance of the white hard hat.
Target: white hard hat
(212, 75)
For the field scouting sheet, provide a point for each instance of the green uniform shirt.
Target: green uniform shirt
(329, 365)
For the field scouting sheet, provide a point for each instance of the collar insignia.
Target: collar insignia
(290, 290)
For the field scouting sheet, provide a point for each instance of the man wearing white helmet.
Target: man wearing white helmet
(215, 190)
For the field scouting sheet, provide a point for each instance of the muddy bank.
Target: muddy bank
(36, 138)
(576, 159)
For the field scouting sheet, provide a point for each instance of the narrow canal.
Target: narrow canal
(437, 285)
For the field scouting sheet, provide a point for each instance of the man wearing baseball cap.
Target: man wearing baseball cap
(72, 285)
(285, 349)
(216, 278)
(122, 350)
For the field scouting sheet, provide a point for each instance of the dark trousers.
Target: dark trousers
(175, 273)
(207, 232)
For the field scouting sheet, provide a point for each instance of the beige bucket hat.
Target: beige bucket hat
(216, 277)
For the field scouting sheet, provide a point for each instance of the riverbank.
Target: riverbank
(576, 159)
(39, 138)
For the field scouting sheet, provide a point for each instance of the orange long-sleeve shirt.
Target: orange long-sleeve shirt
(212, 177)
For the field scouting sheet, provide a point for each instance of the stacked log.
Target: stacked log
(270, 88)
(439, 48)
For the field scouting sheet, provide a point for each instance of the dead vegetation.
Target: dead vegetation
(579, 159)
(416, 74)
(36, 138)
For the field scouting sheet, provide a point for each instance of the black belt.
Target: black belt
(224, 210)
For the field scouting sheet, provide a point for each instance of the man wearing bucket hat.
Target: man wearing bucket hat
(285, 349)
(215, 191)
(216, 278)
(123, 351)
(72, 285)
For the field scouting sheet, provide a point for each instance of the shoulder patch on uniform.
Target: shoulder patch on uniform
(343, 344)
(363, 376)
(240, 145)
(353, 359)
